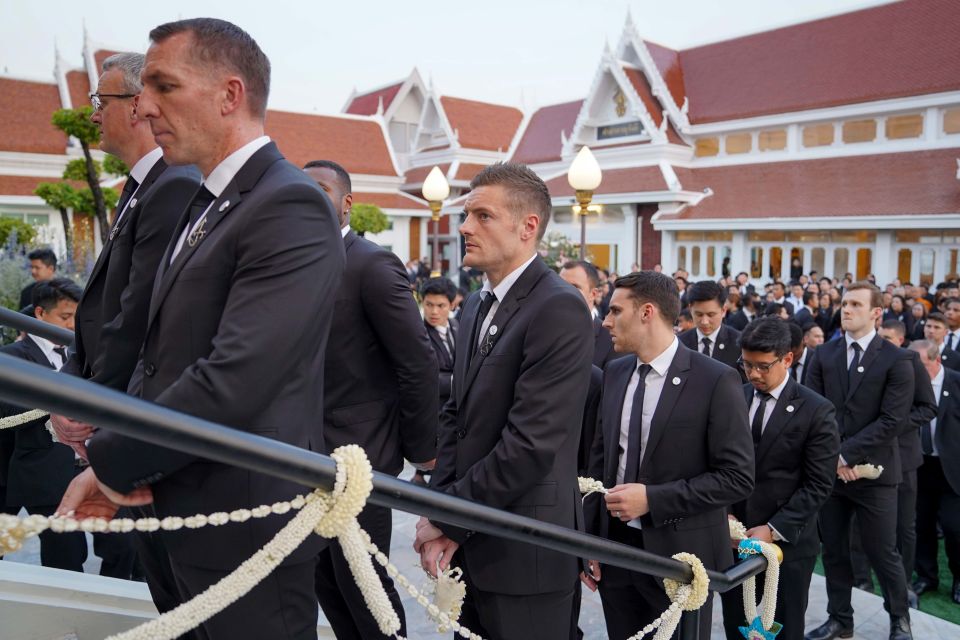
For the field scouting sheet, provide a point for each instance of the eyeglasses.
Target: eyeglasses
(96, 99)
(762, 367)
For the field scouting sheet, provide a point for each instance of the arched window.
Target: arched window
(904, 264)
(841, 261)
(711, 261)
(927, 259)
(695, 261)
(756, 262)
(818, 260)
(681, 258)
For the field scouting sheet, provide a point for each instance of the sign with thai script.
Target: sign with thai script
(621, 130)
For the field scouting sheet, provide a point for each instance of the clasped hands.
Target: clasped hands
(626, 502)
(433, 546)
(87, 497)
(72, 433)
(846, 472)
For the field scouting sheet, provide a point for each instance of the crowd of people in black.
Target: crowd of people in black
(232, 288)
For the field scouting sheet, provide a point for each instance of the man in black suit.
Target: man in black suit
(779, 292)
(510, 432)
(437, 295)
(380, 391)
(585, 278)
(39, 468)
(810, 311)
(796, 446)
(112, 316)
(673, 444)
(951, 312)
(938, 478)
(711, 337)
(259, 237)
(749, 309)
(43, 267)
(800, 364)
(935, 330)
(871, 384)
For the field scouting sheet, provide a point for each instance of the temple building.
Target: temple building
(829, 146)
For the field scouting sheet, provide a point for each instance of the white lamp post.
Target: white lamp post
(584, 176)
(435, 190)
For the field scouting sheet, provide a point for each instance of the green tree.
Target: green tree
(15, 227)
(368, 218)
(86, 200)
(115, 166)
(60, 196)
(76, 123)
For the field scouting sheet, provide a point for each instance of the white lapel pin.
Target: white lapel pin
(133, 203)
(676, 381)
(946, 393)
(226, 203)
(722, 346)
(859, 369)
(493, 329)
(789, 408)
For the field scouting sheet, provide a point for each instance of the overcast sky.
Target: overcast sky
(520, 52)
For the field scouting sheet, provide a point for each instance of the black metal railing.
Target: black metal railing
(30, 324)
(30, 385)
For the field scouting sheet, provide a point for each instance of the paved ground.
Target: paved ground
(872, 621)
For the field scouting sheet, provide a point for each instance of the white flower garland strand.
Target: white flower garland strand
(683, 597)
(773, 554)
(22, 418)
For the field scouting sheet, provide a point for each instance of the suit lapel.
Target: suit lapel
(869, 355)
(469, 316)
(840, 360)
(245, 179)
(35, 352)
(669, 396)
(613, 408)
(785, 408)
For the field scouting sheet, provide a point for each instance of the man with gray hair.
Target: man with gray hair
(112, 314)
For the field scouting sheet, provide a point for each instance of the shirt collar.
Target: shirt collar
(144, 164)
(46, 347)
(662, 362)
(864, 342)
(779, 389)
(344, 230)
(224, 172)
(712, 336)
(803, 356)
(502, 289)
(938, 379)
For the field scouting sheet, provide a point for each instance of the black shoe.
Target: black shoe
(955, 591)
(900, 628)
(913, 600)
(866, 585)
(921, 585)
(829, 630)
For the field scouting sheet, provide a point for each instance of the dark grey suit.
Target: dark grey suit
(726, 350)
(698, 460)
(508, 439)
(250, 298)
(796, 462)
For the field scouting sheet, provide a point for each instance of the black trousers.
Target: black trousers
(633, 600)
(60, 550)
(906, 532)
(792, 596)
(282, 607)
(155, 562)
(876, 509)
(499, 616)
(936, 499)
(337, 591)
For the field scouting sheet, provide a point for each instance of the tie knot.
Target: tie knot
(643, 370)
(856, 347)
(705, 341)
(763, 396)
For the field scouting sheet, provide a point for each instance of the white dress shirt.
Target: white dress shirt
(864, 342)
(501, 291)
(139, 173)
(770, 404)
(713, 340)
(956, 339)
(801, 363)
(937, 390)
(218, 180)
(48, 350)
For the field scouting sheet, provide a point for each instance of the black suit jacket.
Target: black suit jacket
(26, 295)
(380, 373)
(591, 415)
(603, 351)
(805, 366)
(950, 359)
(922, 411)
(445, 359)
(236, 333)
(697, 462)
(509, 434)
(804, 317)
(738, 320)
(112, 314)
(726, 350)
(871, 414)
(947, 436)
(796, 463)
(39, 468)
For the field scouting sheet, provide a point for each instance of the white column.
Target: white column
(852, 261)
(884, 258)
(785, 264)
(739, 256)
(765, 264)
(667, 252)
(629, 250)
(915, 265)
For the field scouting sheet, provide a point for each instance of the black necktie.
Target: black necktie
(451, 343)
(950, 337)
(632, 468)
(128, 188)
(854, 363)
(62, 352)
(706, 346)
(200, 203)
(793, 370)
(756, 427)
(485, 304)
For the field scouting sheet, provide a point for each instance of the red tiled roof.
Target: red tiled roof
(100, 55)
(481, 125)
(642, 87)
(633, 180)
(27, 107)
(358, 145)
(388, 201)
(899, 49)
(541, 139)
(419, 174)
(366, 104)
(467, 171)
(25, 185)
(922, 182)
(668, 63)
(78, 84)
